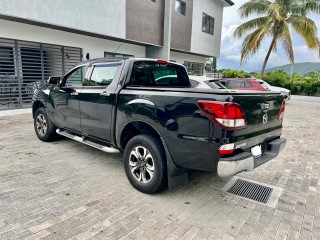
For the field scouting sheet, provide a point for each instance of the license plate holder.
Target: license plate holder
(256, 151)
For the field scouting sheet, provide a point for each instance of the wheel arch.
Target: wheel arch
(36, 105)
(135, 128)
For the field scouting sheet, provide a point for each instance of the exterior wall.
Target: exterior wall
(145, 21)
(204, 43)
(181, 57)
(96, 16)
(94, 46)
(181, 27)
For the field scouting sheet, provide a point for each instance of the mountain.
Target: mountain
(298, 68)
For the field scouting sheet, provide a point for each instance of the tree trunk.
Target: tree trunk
(267, 57)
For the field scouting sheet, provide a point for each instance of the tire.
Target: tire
(43, 126)
(145, 164)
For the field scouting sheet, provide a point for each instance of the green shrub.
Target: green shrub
(309, 84)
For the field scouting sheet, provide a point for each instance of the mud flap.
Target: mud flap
(177, 176)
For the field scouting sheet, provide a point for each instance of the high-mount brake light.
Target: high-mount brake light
(162, 61)
(227, 115)
(282, 109)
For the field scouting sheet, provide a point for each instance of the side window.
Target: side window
(76, 78)
(248, 84)
(102, 75)
(236, 84)
(194, 83)
(223, 83)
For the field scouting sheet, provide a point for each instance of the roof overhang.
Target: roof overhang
(229, 2)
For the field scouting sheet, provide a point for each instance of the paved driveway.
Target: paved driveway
(66, 190)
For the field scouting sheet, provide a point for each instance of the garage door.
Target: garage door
(23, 63)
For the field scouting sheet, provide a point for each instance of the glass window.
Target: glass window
(207, 24)
(265, 85)
(103, 75)
(215, 84)
(223, 83)
(117, 55)
(194, 68)
(181, 7)
(194, 83)
(236, 84)
(6, 61)
(248, 84)
(76, 78)
(150, 73)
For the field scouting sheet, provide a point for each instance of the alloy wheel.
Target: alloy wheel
(141, 164)
(41, 124)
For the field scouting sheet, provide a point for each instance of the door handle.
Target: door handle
(74, 94)
(105, 94)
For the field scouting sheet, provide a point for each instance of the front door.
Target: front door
(97, 100)
(66, 113)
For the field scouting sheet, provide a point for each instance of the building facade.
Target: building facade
(43, 38)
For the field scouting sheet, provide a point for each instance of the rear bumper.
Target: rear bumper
(246, 162)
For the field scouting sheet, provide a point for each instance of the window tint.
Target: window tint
(248, 84)
(103, 75)
(180, 7)
(215, 84)
(207, 24)
(194, 83)
(265, 85)
(150, 73)
(224, 83)
(236, 84)
(76, 78)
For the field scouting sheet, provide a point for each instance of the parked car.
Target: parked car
(242, 84)
(148, 110)
(285, 92)
(205, 82)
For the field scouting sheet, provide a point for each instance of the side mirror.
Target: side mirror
(54, 80)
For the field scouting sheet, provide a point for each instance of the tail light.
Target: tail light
(282, 109)
(227, 115)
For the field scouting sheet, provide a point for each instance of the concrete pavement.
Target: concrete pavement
(66, 190)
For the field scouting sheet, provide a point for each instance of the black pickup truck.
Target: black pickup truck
(147, 109)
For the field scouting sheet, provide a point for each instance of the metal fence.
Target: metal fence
(23, 63)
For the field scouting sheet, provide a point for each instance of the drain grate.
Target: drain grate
(250, 190)
(254, 191)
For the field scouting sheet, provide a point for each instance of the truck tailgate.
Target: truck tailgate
(261, 111)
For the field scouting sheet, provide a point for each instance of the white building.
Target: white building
(39, 38)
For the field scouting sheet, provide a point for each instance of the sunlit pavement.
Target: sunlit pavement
(66, 190)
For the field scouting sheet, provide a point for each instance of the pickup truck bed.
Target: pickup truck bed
(164, 127)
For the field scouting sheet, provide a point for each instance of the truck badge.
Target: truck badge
(265, 118)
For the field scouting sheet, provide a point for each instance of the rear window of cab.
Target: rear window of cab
(155, 74)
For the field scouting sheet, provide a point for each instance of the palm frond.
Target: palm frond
(257, 7)
(250, 25)
(307, 29)
(304, 7)
(313, 6)
(252, 42)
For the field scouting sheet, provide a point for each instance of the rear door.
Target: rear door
(97, 100)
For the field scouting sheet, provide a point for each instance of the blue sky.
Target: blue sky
(231, 48)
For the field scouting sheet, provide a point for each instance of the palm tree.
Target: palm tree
(274, 19)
